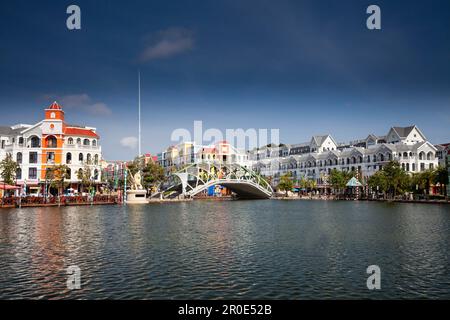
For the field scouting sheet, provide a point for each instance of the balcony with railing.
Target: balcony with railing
(81, 146)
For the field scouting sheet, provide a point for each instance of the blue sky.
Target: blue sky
(305, 67)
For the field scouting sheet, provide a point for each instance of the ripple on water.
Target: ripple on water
(226, 250)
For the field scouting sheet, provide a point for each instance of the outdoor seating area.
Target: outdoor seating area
(15, 202)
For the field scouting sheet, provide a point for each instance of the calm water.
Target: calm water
(233, 249)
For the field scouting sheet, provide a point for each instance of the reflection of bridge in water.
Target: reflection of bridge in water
(196, 178)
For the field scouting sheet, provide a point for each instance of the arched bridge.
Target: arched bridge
(196, 178)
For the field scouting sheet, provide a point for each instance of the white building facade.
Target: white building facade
(49, 143)
(315, 159)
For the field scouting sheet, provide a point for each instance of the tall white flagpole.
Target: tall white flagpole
(139, 111)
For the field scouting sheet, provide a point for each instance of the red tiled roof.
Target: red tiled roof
(55, 106)
(80, 132)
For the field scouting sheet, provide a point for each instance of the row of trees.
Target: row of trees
(287, 183)
(391, 180)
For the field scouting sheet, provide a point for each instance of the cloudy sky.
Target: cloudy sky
(305, 67)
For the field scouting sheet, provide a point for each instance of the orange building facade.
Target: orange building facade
(49, 143)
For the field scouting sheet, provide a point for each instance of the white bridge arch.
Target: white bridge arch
(196, 178)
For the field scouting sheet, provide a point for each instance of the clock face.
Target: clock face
(52, 126)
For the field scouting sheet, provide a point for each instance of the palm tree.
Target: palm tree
(286, 183)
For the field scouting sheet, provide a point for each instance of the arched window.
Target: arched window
(35, 142)
(80, 157)
(389, 156)
(70, 141)
(421, 155)
(51, 142)
(78, 141)
(407, 167)
(68, 158)
(374, 158)
(19, 157)
(88, 158)
(21, 141)
(79, 174)
(18, 174)
(95, 174)
(96, 159)
(86, 142)
(360, 159)
(69, 174)
(429, 155)
(405, 155)
(381, 157)
(94, 143)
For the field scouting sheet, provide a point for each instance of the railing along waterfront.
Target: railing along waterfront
(12, 202)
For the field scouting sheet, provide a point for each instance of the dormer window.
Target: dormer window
(52, 115)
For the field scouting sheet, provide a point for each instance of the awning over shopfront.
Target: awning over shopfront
(7, 187)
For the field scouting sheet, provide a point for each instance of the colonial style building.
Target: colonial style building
(48, 143)
(316, 158)
(185, 153)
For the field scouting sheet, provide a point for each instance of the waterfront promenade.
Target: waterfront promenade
(16, 202)
(13, 202)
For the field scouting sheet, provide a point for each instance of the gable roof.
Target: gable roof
(319, 139)
(403, 132)
(10, 131)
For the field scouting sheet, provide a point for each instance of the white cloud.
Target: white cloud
(82, 102)
(129, 142)
(168, 43)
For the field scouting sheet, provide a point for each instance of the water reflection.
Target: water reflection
(229, 249)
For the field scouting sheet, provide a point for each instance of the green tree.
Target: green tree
(338, 179)
(392, 179)
(286, 184)
(397, 179)
(8, 170)
(84, 175)
(152, 174)
(421, 181)
(378, 182)
(58, 176)
(441, 177)
(312, 184)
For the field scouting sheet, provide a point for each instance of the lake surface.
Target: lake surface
(267, 249)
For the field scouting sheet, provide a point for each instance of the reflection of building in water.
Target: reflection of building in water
(48, 253)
